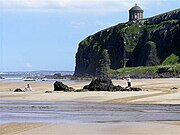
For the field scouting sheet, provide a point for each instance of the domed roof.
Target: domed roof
(136, 7)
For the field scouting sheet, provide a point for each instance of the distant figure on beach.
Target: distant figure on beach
(28, 87)
(128, 79)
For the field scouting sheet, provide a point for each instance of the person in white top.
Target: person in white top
(128, 79)
(28, 87)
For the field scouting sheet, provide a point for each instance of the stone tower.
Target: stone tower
(135, 13)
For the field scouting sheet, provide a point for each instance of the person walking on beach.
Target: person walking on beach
(28, 87)
(128, 79)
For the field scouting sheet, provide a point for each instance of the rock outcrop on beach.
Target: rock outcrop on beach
(100, 84)
(19, 90)
(105, 84)
(147, 42)
(59, 86)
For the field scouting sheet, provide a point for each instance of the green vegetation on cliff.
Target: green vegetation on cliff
(174, 58)
(148, 42)
(148, 70)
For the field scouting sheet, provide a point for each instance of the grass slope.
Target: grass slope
(173, 69)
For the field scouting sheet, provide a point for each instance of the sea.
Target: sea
(19, 76)
(32, 74)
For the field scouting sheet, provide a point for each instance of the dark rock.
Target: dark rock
(48, 92)
(145, 54)
(135, 89)
(105, 84)
(59, 86)
(174, 88)
(103, 65)
(19, 90)
(100, 84)
(81, 90)
(86, 87)
(118, 88)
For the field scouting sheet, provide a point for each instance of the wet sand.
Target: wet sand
(79, 112)
(159, 92)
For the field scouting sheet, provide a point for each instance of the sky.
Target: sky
(44, 34)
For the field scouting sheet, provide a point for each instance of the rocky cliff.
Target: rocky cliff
(147, 42)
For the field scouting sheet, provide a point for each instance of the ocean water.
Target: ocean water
(21, 75)
(11, 77)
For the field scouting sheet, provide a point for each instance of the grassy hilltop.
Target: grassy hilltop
(148, 42)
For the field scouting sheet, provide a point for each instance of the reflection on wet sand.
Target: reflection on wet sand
(76, 112)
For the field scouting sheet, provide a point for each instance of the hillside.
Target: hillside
(147, 42)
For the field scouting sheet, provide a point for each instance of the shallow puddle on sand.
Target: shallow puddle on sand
(75, 112)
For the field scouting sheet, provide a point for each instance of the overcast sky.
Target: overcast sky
(44, 34)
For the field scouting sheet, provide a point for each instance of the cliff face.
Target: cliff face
(147, 42)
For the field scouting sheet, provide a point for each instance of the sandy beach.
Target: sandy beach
(155, 91)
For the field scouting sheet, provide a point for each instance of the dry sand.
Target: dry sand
(159, 92)
(156, 91)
